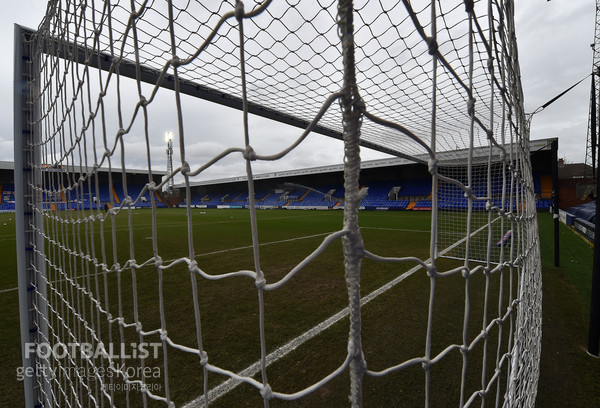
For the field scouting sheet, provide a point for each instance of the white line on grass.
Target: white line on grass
(395, 229)
(282, 351)
(221, 251)
(8, 290)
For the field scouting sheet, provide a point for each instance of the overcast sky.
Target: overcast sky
(554, 48)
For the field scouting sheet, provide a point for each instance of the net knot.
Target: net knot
(431, 271)
(158, 261)
(433, 165)
(185, 168)
(163, 335)
(249, 153)
(266, 392)
(471, 106)
(175, 61)
(203, 358)
(193, 266)
(260, 281)
(152, 186)
(239, 10)
(469, 6)
(432, 45)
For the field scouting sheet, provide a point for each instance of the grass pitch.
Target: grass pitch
(394, 324)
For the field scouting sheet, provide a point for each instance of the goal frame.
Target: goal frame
(25, 216)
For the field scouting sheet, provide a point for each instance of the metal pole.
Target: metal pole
(22, 220)
(555, 202)
(594, 331)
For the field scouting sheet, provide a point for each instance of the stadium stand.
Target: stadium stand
(397, 194)
(404, 186)
(7, 197)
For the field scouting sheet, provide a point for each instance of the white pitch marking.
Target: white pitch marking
(221, 251)
(282, 351)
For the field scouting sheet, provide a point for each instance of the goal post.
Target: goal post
(24, 275)
(29, 222)
(121, 315)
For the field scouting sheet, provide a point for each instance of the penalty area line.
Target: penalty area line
(217, 252)
(230, 384)
(282, 351)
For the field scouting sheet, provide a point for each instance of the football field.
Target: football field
(305, 322)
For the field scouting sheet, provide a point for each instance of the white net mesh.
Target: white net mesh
(492, 196)
(436, 84)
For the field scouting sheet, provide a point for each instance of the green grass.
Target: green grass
(568, 375)
(394, 325)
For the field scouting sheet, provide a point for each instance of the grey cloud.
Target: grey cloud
(554, 52)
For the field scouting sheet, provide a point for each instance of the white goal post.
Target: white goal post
(435, 82)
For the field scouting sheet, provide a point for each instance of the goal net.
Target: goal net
(476, 213)
(120, 304)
